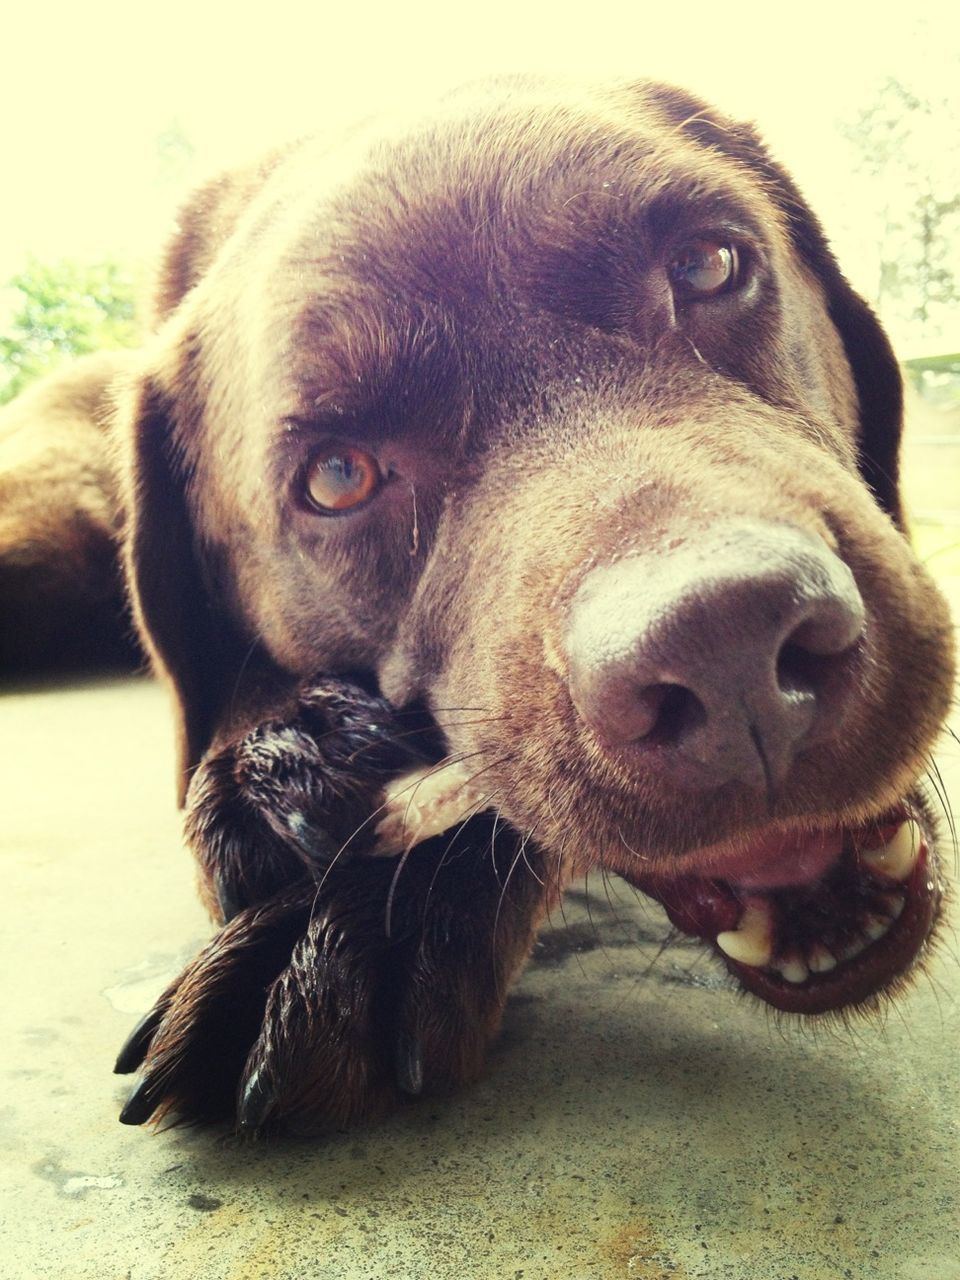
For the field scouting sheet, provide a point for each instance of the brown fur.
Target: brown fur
(62, 595)
(476, 297)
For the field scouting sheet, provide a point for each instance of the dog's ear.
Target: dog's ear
(204, 224)
(188, 636)
(190, 640)
(876, 373)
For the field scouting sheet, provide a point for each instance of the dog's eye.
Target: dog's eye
(703, 268)
(340, 477)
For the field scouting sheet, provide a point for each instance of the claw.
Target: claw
(227, 898)
(256, 1103)
(141, 1104)
(409, 1064)
(135, 1047)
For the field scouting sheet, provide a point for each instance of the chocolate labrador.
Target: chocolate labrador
(534, 458)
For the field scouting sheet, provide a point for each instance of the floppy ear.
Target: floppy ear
(876, 373)
(191, 642)
(188, 635)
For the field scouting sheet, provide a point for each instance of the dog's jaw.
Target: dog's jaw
(818, 937)
(811, 921)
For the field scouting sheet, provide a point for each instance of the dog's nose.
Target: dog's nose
(719, 657)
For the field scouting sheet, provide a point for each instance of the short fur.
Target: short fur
(479, 298)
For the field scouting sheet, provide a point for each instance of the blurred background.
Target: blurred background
(113, 110)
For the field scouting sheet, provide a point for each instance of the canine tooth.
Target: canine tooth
(751, 942)
(820, 960)
(793, 969)
(898, 858)
(425, 803)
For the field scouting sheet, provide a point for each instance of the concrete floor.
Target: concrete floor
(638, 1120)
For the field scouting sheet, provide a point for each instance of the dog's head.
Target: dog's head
(555, 414)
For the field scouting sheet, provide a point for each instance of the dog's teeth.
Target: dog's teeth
(874, 927)
(854, 948)
(752, 941)
(893, 904)
(820, 960)
(896, 860)
(422, 804)
(792, 969)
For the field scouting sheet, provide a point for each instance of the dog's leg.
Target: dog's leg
(339, 982)
(362, 1017)
(328, 1004)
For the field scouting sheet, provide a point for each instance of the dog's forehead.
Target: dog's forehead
(437, 227)
(464, 192)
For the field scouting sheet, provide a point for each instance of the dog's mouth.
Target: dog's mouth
(816, 921)
(811, 920)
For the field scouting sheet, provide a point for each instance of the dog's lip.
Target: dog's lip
(812, 921)
(776, 857)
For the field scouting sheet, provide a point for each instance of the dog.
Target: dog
(540, 440)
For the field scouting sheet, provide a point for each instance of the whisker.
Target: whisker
(372, 816)
(479, 806)
(586, 900)
(935, 778)
(605, 874)
(433, 717)
(238, 679)
(503, 893)
(388, 910)
(641, 857)
(493, 847)
(559, 892)
(526, 861)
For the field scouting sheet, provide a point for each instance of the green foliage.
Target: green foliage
(60, 310)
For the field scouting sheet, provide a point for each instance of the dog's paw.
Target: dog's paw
(292, 794)
(193, 1043)
(329, 1004)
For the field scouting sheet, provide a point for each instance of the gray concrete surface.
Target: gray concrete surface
(638, 1119)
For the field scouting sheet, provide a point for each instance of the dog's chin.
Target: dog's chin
(812, 920)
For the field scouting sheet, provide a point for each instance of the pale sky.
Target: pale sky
(86, 88)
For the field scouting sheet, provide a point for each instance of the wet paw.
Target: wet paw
(193, 1043)
(330, 1003)
(289, 796)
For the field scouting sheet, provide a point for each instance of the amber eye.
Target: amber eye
(340, 477)
(703, 268)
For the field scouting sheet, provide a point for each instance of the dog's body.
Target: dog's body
(551, 425)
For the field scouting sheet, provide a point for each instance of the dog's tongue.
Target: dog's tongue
(772, 860)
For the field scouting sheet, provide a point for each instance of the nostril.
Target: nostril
(818, 651)
(675, 711)
(835, 624)
(800, 671)
(817, 661)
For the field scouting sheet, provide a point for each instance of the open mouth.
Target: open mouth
(815, 921)
(811, 921)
